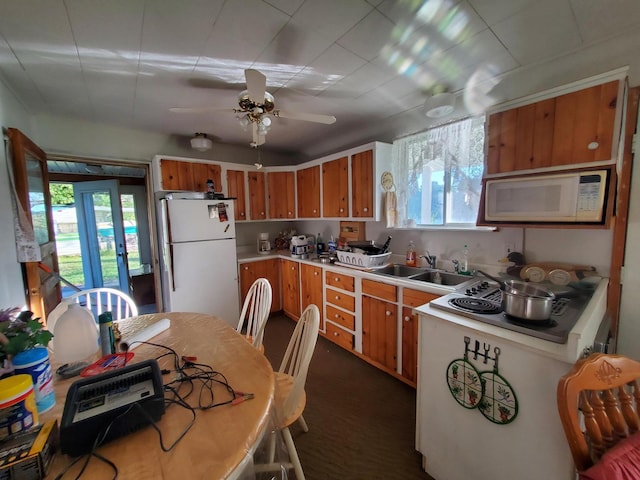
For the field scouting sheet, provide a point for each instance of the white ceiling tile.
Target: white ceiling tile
(545, 29)
(287, 6)
(242, 31)
(493, 11)
(366, 78)
(598, 19)
(332, 18)
(367, 38)
(329, 67)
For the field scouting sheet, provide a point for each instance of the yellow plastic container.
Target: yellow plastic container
(18, 409)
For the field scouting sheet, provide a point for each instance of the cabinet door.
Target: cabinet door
(380, 331)
(204, 171)
(281, 194)
(308, 189)
(235, 188)
(257, 198)
(248, 275)
(291, 288)
(311, 288)
(335, 188)
(362, 184)
(269, 269)
(574, 128)
(409, 344)
(176, 175)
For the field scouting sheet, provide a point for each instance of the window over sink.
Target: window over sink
(438, 175)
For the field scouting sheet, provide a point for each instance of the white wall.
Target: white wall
(12, 114)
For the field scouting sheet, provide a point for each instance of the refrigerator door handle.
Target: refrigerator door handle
(170, 268)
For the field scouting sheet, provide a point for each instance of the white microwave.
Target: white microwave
(576, 197)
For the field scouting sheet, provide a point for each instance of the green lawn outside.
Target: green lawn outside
(71, 267)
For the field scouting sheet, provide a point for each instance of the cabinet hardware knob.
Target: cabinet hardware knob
(315, 273)
(335, 334)
(366, 209)
(246, 268)
(593, 146)
(337, 279)
(406, 319)
(341, 210)
(337, 297)
(315, 211)
(242, 214)
(388, 313)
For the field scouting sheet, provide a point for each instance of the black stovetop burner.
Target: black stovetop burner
(482, 302)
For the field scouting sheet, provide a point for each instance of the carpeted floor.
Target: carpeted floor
(361, 420)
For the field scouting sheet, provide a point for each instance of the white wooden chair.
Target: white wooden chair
(98, 300)
(255, 312)
(290, 397)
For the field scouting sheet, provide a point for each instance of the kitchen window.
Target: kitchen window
(438, 175)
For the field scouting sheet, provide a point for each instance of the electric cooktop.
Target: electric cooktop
(482, 300)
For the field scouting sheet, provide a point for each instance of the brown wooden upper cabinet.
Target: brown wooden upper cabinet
(281, 194)
(578, 127)
(308, 188)
(362, 184)
(235, 188)
(335, 188)
(189, 176)
(257, 196)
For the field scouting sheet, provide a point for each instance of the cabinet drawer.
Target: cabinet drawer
(339, 280)
(338, 316)
(341, 299)
(379, 290)
(339, 336)
(415, 298)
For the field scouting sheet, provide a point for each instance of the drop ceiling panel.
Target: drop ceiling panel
(544, 29)
(598, 20)
(287, 6)
(332, 18)
(359, 39)
(493, 11)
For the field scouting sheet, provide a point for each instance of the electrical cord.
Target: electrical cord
(189, 375)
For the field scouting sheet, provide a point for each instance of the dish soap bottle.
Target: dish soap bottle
(411, 255)
(464, 264)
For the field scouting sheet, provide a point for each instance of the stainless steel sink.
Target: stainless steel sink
(399, 270)
(446, 278)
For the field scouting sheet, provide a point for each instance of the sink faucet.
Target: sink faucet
(431, 259)
(456, 264)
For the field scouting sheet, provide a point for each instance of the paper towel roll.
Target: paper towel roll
(129, 343)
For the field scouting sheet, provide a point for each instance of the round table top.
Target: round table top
(221, 439)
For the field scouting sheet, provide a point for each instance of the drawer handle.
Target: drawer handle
(335, 334)
(337, 297)
(336, 279)
(337, 316)
(388, 313)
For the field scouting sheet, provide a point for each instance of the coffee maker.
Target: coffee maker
(264, 245)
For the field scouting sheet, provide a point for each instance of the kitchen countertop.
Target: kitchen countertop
(356, 272)
(581, 335)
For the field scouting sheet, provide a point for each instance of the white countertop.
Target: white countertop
(580, 337)
(356, 272)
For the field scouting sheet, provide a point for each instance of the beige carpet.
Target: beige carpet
(361, 421)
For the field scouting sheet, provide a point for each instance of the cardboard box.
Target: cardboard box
(352, 231)
(27, 455)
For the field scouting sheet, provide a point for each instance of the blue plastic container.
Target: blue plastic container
(35, 362)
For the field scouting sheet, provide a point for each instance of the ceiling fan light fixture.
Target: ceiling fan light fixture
(201, 143)
(94, 169)
(440, 105)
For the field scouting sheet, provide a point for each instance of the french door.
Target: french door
(101, 232)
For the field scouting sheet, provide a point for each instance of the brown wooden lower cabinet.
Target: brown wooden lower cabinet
(311, 288)
(290, 272)
(380, 331)
(269, 269)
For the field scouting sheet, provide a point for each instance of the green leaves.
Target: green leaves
(22, 332)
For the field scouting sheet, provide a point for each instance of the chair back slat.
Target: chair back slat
(255, 311)
(598, 402)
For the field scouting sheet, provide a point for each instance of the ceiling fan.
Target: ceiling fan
(257, 107)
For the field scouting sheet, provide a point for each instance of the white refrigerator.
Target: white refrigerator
(198, 262)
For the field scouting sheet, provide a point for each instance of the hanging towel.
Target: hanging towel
(391, 209)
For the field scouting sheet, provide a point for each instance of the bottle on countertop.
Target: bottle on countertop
(107, 338)
(319, 244)
(332, 245)
(411, 255)
(464, 264)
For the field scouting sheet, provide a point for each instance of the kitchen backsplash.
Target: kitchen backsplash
(486, 248)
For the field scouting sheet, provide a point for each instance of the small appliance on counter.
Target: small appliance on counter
(264, 244)
(299, 246)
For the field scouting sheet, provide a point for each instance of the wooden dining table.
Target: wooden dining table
(221, 441)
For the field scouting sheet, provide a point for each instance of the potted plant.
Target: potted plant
(19, 331)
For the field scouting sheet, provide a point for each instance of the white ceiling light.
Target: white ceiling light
(201, 143)
(440, 105)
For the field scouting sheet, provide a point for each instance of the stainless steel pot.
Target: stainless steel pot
(524, 300)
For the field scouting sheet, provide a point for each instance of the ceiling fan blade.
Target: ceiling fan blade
(200, 109)
(307, 117)
(256, 85)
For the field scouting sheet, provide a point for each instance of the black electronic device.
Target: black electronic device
(117, 402)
